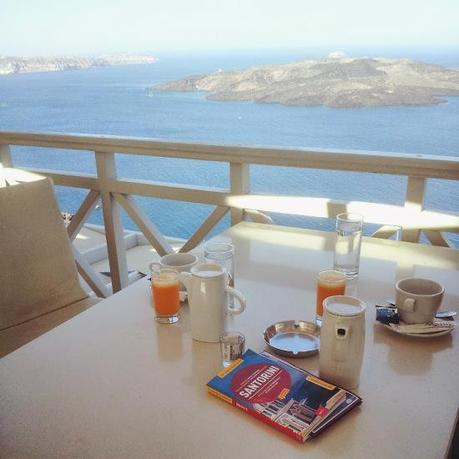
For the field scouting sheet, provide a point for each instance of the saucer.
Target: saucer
(425, 335)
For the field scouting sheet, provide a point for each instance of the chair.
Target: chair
(39, 286)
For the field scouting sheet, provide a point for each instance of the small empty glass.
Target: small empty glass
(348, 244)
(232, 346)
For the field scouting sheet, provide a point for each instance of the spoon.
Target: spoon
(438, 315)
(445, 314)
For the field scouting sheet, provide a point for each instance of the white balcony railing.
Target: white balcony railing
(114, 192)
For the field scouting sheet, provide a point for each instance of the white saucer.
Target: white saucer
(419, 335)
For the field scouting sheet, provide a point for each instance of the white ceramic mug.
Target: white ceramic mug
(418, 299)
(208, 291)
(342, 339)
(180, 262)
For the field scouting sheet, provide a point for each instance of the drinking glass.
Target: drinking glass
(398, 231)
(165, 293)
(232, 347)
(348, 244)
(329, 283)
(221, 253)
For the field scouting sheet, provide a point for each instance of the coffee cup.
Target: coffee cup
(180, 262)
(418, 299)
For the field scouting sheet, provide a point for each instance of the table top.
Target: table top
(112, 382)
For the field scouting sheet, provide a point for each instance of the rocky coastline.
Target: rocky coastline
(10, 65)
(337, 82)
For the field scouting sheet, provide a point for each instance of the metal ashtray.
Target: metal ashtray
(293, 338)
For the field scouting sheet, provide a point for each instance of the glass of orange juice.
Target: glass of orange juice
(329, 283)
(165, 295)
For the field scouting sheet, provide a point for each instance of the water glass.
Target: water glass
(165, 294)
(232, 347)
(221, 253)
(348, 244)
(397, 232)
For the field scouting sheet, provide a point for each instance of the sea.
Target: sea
(114, 100)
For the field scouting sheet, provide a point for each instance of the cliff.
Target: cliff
(9, 65)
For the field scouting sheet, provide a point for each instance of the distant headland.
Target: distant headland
(9, 65)
(337, 81)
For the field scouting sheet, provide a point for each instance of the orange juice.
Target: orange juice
(329, 283)
(165, 289)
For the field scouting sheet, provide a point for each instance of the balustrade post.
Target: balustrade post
(239, 185)
(106, 170)
(414, 201)
(5, 161)
(5, 156)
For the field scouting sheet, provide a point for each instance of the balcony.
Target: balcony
(93, 244)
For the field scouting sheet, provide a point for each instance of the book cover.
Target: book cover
(350, 401)
(282, 395)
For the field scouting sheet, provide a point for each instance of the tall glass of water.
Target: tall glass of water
(221, 253)
(348, 243)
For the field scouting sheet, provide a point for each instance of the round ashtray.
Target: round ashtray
(293, 338)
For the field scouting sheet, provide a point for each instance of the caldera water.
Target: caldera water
(114, 100)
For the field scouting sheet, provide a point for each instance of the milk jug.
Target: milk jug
(208, 297)
(342, 340)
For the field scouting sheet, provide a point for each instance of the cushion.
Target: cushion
(37, 270)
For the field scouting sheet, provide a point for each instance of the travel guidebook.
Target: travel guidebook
(284, 396)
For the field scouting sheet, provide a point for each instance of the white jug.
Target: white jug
(207, 287)
(342, 340)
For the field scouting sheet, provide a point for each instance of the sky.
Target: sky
(89, 27)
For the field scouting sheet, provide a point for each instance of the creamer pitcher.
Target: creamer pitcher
(342, 340)
(208, 291)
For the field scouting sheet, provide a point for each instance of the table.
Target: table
(113, 383)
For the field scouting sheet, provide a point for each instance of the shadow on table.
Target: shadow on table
(169, 342)
(205, 361)
(425, 350)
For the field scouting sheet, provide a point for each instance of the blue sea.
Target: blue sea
(113, 100)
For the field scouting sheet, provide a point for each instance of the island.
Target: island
(9, 65)
(337, 81)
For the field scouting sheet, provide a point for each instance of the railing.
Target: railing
(115, 192)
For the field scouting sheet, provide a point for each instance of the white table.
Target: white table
(113, 383)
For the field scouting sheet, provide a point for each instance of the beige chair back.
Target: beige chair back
(37, 270)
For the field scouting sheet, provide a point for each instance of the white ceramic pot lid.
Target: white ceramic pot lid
(342, 305)
(207, 270)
